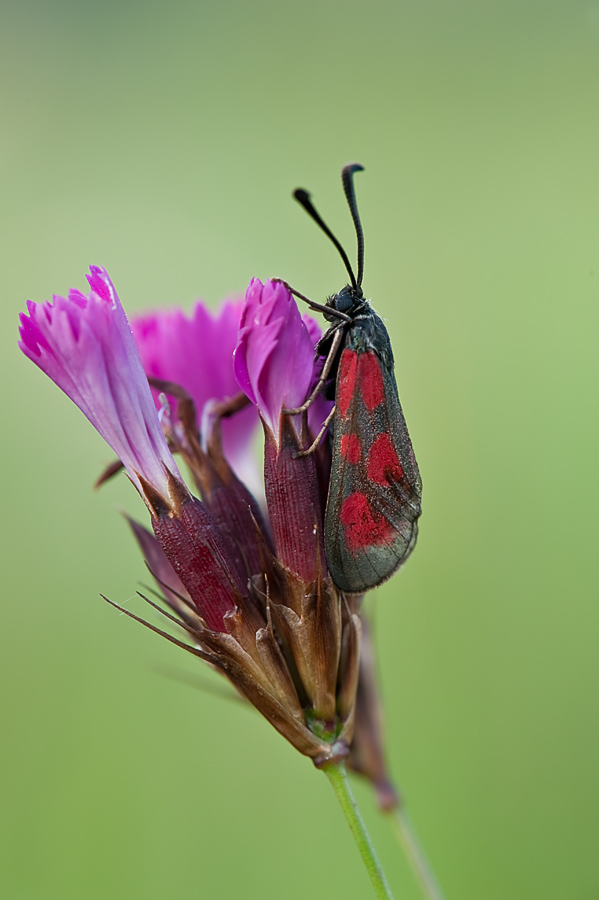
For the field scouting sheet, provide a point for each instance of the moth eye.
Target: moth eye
(343, 301)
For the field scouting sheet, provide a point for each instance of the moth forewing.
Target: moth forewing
(375, 488)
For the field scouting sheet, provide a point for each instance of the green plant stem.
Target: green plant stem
(337, 775)
(406, 835)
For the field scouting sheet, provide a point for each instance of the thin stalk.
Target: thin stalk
(408, 839)
(337, 775)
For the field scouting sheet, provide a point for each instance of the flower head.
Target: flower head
(85, 345)
(254, 596)
(274, 356)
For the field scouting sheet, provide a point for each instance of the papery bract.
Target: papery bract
(85, 345)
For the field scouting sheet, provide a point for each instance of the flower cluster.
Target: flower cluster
(250, 589)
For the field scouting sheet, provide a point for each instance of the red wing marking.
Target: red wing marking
(346, 381)
(383, 463)
(362, 526)
(350, 448)
(371, 381)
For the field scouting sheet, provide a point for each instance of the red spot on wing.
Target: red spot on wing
(362, 526)
(350, 448)
(383, 463)
(371, 380)
(346, 381)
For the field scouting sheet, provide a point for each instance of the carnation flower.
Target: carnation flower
(85, 345)
(255, 599)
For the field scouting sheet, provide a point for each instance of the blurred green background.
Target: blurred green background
(163, 141)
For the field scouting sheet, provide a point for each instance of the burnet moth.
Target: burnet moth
(371, 519)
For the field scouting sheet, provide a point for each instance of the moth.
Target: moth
(375, 491)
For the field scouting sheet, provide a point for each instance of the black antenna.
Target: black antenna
(347, 177)
(303, 197)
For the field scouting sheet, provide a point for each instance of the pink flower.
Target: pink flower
(196, 352)
(264, 612)
(274, 357)
(274, 364)
(85, 345)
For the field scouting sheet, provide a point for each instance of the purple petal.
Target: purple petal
(274, 357)
(85, 345)
(314, 329)
(197, 352)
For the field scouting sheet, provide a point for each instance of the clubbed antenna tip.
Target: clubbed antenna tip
(347, 177)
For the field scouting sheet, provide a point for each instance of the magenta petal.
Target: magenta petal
(85, 345)
(274, 353)
(314, 329)
(196, 352)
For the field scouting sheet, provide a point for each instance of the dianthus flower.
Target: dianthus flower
(252, 594)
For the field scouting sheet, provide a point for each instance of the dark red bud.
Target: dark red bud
(238, 516)
(294, 504)
(200, 557)
(167, 579)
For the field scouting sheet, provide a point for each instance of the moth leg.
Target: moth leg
(338, 337)
(318, 438)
